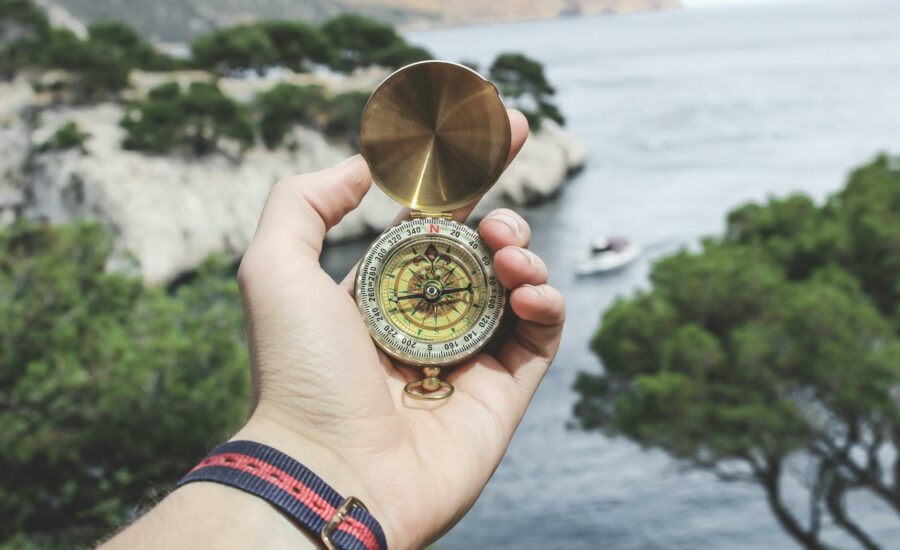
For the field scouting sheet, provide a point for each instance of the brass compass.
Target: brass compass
(436, 137)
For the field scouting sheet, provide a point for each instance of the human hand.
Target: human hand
(326, 395)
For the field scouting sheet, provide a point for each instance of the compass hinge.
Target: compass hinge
(419, 214)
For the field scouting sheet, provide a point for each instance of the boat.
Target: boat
(608, 254)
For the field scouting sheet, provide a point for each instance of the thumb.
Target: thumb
(300, 209)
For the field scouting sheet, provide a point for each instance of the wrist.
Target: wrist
(325, 462)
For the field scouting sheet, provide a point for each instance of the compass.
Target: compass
(436, 137)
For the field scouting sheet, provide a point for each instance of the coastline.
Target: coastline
(170, 212)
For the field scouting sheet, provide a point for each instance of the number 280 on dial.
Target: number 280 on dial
(428, 292)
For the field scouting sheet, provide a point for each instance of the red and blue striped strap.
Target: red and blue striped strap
(291, 487)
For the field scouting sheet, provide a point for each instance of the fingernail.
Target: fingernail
(529, 255)
(508, 220)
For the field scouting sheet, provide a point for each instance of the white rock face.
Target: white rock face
(15, 142)
(171, 212)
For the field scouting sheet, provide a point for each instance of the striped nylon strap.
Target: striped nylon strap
(291, 487)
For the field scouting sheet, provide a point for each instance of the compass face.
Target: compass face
(428, 292)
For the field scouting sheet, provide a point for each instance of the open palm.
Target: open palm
(325, 394)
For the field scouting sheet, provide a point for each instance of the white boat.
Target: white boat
(608, 254)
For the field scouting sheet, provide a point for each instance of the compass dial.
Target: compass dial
(428, 292)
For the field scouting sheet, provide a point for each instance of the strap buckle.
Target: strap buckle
(340, 514)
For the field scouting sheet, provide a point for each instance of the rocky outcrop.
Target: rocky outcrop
(170, 212)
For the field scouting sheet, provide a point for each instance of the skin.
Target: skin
(326, 395)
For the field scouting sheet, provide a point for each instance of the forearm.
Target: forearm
(207, 514)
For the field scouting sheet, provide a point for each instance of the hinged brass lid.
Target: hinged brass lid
(436, 135)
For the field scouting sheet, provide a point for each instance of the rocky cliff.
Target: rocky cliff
(170, 212)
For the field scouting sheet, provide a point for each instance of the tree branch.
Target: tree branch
(834, 500)
(770, 478)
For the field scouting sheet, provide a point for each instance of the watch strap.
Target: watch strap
(260, 470)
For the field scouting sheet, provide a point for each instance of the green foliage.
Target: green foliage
(67, 136)
(358, 41)
(122, 43)
(284, 106)
(344, 115)
(400, 55)
(109, 389)
(23, 28)
(243, 47)
(522, 80)
(345, 43)
(297, 44)
(773, 342)
(100, 64)
(197, 119)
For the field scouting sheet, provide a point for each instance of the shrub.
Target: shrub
(23, 28)
(399, 55)
(285, 105)
(344, 115)
(242, 47)
(358, 41)
(100, 63)
(121, 42)
(109, 389)
(297, 44)
(169, 119)
(67, 136)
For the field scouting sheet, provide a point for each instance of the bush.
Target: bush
(521, 80)
(67, 136)
(169, 119)
(344, 115)
(239, 48)
(284, 106)
(100, 64)
(399, 55)
(121, 42)
(23, 28)
(358, 41)
(297, 44)
(109, 389)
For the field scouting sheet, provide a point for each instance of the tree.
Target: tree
(121, 42)
(522, 80)
(109, 389)
(284, 106)
(198, 119)
(773, 345)
(297, 44)
(358, 41)
(23, 26)
(238, 48)
(99, 64)
(344, 116)
(260, 46)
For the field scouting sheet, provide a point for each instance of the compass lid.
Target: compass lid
(436, 135)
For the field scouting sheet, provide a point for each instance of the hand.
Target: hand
(325, 394)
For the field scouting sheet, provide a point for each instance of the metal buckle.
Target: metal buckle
(340, 514)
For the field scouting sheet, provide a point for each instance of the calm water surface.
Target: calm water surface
(684, 115)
